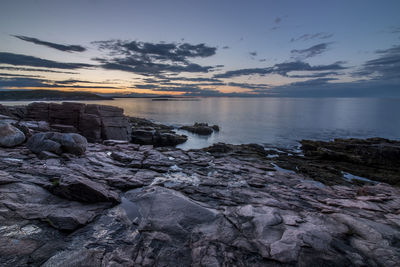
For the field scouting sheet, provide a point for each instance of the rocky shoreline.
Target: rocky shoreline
(115, 203)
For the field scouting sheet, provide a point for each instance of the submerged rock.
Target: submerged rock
(57, 143)
(10, 136)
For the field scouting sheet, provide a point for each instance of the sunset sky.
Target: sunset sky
(202, 48)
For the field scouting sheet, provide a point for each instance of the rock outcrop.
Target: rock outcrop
(145, 132)
(10, 136)
(124, 204)
(201, 128)
(95, 122)
(376, 159)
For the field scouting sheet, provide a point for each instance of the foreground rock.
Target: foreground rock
(222, 206)
(57, 143)
(357, 160)
(201, 128)
(10, 136)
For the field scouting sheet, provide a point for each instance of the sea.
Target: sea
(272, 122)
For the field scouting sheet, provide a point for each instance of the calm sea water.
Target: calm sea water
(279, 122)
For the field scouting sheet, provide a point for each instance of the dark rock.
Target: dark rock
(215, 128)
(142, 137)
(169, 139)
(83, 189)
(200, 128)
(157, 138)
(57, 143)
(10, 136)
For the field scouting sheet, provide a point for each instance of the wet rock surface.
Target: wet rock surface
(124, 204)
(201, 128)
(345, 161)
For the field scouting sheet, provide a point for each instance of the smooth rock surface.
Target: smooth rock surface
(10, 136)
(57, 143)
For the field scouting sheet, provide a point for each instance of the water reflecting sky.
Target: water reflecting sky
(277, 121)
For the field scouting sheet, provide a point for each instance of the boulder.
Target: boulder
(57, 143)
(83, 190)
(10, 136)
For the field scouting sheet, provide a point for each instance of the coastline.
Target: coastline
(140, 204)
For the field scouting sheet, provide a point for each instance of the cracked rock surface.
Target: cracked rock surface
(125, 204)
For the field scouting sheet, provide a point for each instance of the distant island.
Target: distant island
(48, 95)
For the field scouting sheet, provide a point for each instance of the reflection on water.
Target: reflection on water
(278, 121)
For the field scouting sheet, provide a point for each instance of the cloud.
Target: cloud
(24, 60)
(61, 47)
(384, 67)
(310, 52)
(71, 81)
(146, 51)
(154, 58)
(307, 36)
(18, 75)
(282, 69)
(153, 68)
(252, 86)
(34, 69)
(254, 53)
(27, 82)
(315, 75)
(278, 20)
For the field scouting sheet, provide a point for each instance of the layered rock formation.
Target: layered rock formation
(95, 122)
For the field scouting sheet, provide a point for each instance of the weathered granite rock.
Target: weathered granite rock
(10, 136)
(201, 128)
(57, 143)
(221, 206)
(95, 122)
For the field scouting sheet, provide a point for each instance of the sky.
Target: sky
(202, 48)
